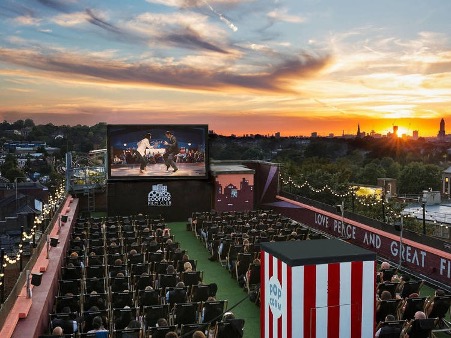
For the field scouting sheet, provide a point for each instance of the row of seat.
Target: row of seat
(131, 282)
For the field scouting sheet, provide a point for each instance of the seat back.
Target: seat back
(387, 286)
(191, 277)
(153, 312)
(422, 327)
(167, 281)
(213, 310)
(199, 292)
(160, 332)
(230, 329)
(387, 307)
(440, 306)
(410, 287)
(413, 305)
(186, 313)
(391, 329)
(187, 330)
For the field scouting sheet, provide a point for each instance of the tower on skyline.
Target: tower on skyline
(441, 132)
(359, 135)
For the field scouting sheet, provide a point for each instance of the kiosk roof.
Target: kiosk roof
(318, 251)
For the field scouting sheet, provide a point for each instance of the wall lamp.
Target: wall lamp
(54, 241)
(35, 279)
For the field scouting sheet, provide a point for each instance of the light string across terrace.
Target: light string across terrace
(373, 201)
(47, 209)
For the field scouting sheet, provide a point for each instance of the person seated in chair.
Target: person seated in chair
(124, 319)
(380, 310)
(380, 275)
(388, 330)
(68, 325)
(177, 295)
(437, 307)
(234, 329)
(418, 331)
(57, 331)
(134, 324)
(97, 324)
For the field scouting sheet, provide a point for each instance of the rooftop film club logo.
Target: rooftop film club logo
(159, 196)
(274, 295)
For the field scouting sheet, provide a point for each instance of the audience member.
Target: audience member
(97, 325)
(199, 334)
(57, 331)
(65, 321)
(388, 329)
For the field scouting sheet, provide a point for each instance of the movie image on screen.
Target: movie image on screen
(157, 151)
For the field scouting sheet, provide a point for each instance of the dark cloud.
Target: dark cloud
(187, 38)
(276, 78)
(95, 20)
(191, 40)
(116, 32)
(60, 6)
(9, 9)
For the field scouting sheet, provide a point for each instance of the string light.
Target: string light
(363, 200)
(53, 203)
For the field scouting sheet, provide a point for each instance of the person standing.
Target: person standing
(172, 149)
(141, 152)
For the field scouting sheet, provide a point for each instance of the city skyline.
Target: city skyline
(242, 67)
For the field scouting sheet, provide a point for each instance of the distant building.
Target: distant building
(359, 133)
(277, 135)
(441, 132)
(314, 134)
(415, 135)
(388, 186)
(375, 135)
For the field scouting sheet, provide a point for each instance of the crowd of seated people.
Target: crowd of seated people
(401, 309)
(233, 239)
(128, 277)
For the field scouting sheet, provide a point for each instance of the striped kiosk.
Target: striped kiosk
(317, 289)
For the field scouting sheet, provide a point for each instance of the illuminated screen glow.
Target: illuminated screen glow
(181, 154)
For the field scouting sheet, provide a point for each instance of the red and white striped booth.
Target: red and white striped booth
(317, 289)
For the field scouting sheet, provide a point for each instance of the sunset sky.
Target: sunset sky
(240, 66)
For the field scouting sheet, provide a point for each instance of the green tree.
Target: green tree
(371, 172)
(416, 177)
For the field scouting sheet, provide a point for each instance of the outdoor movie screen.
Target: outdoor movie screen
(157, 151)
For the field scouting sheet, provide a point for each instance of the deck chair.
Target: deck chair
(212, 311)
(387, 307)
(243, 261)
(420, 328)
(192, 277)
(391, 329)
(409, 287)
(148, 297)
(253, 277)
(165, 281)
(412, 305)
(160, 332)
(199, 292)
(387, 286)
(153, 312)
(232, 328)
(438, 308)
(128, 333)
(186, 313)
(387, 274)
(187, 330)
